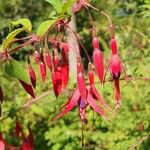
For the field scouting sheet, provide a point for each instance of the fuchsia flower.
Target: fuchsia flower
(48, 60)
(42, 67)
(98, 59)
(65, 66)
(115, 67)
(32, 75)
(36, 57)
(60, 74)
(82, 97)
(2, 142)
(57, 80)
(27, 142)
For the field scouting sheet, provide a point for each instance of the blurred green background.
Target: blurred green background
(131, 127)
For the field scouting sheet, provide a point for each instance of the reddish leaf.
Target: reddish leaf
(57, 81)
(113, 45)
(1, 94)
(95, 107)
(43, 71)
(82, 86)
(36, 57)
(28, 88)
(117, 92)
(48, 60)
(32, 75)
(65, 75)
(99, 65)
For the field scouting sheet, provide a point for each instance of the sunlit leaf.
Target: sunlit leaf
(42, 29)
(67, 7)
(24, 22)
(14, 69)
(9, 39)
(57, 4)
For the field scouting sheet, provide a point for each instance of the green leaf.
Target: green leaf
(52, 14)
(67, 7)
(9, 39)
(24, 22)
(38, 110)
(15, 69)
(57, 4)
(12, 113)
(42, 29)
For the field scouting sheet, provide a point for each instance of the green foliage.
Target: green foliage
(14, 69)
(57, 4)
(24, 22)
(131, 124)
(43, 28)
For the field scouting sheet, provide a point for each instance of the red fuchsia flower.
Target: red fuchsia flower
(36, 57)
(57, 75)
(76, 100)
(4, 145)
(65, 66)
(43, 71)
(27, 142)
(93, 91)
(57, 80)
(2, 142)
(81, 98)
(28, 88)
(32, 75)
(115, 67)
(48, 60)
(98, 59)
(42, 67)
(18, 129)
(81, 81)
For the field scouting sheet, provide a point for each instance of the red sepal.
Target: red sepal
(99, 64)
(32, 75)
(57, 81)
(43, 71)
